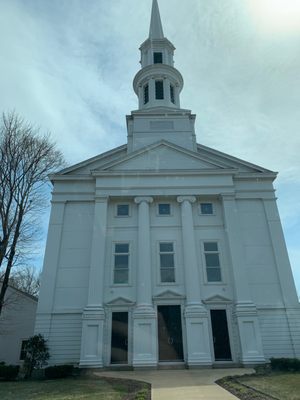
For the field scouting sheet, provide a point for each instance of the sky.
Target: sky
(67, 66)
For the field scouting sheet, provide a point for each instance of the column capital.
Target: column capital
(139, 200)
(190, 199)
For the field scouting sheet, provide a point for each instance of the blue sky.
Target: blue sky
(68, 66)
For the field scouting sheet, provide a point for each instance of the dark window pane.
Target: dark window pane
(166, 247)
(164, 209)
(23, 351)
(121, 248)
(172, 94)
(211, 246)
(167, 275)
(213, 274)
(122, 210)
(159, 90)
(206, 208)
(146, 94)
(157, 58)
(121, 261)
(120, 276)
(212, 260)
(166, 261)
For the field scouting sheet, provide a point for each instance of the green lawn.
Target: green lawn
(284, 386)
(67, 389)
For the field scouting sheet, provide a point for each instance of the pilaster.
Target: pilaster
(93, 314)
(245, 310)
(196, 316)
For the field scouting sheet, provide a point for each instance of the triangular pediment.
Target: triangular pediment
(120, 301)
(162, 155)
(168, 295)
(217, 299)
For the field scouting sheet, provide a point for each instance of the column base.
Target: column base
(92, 337)
(144, 337)
(249, 331)
(197, 330)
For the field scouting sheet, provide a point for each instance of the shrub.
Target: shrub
(58, 371)
(285, 364)
(9, 372)
(36, 355)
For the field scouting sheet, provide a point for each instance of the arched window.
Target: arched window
(172, 94)
(146, 94)
(159, 90)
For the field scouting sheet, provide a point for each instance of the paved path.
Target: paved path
(194, 384)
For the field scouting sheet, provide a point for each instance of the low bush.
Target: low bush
(285, 364)
(9, 372)
(59, 371)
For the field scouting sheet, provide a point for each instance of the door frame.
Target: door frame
(111, 310)
(183, 330)
(228, 310)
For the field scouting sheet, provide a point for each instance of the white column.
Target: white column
(198, 343)
(144, 316)
(144, 285)
(93, 315)
(141, 96)
(245, 310)
(151, 91)
(167, 95)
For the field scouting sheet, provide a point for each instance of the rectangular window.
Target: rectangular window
(121, 263)
(122, 210)
(159, 90)
(206, 209)
(146, 94)
(157, 58)
(172, 94)
(167, 266)
(212, 261)
(23, 351)
(164, 209)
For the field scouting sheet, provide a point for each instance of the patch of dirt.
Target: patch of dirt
(136, 390)
(243, 392)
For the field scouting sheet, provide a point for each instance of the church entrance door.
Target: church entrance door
(119, 338)
(169, 333)
(220, 335)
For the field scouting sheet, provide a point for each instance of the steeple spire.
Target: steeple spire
(156, 30)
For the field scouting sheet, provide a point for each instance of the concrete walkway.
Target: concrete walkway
(192, 384)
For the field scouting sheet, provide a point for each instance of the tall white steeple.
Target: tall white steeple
(156, 30)
(158, 85)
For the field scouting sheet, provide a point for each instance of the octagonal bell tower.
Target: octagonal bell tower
(158, 85)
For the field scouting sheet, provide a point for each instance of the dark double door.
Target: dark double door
(169, 333)
(119, 338)
(220, 335)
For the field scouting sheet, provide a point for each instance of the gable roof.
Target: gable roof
(162, 155)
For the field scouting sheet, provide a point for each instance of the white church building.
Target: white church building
(164, 251)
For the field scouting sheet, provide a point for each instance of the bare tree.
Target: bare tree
(26, 159)
(26, 279)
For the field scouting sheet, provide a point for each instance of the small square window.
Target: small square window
(123, 210)
(157, 58)
(164, 209)
(206, 208)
